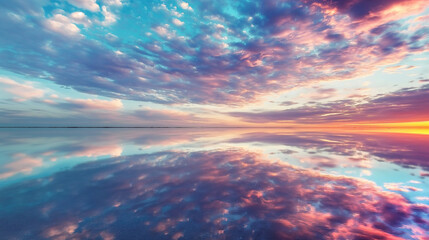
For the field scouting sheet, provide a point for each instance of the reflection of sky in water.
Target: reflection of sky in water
(223, 184)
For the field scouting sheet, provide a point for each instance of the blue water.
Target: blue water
(212, 184)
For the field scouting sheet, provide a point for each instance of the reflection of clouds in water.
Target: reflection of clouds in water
(328, 150)
(94, 151)
(48, 145)
(221, 195)
(406, 150)
(21, 163)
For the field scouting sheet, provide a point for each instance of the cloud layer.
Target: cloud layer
(400, 106)
(198, 52)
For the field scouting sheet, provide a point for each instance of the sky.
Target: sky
(213, 63)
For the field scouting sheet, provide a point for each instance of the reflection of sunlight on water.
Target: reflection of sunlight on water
(402, 127)
(208, 194)
(402, 130)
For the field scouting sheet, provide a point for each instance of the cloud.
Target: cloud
(186, 193)
(80, 18)
(172, 12)
(113, 2)
(63, 25)
(155, 117)
(396, 68)
(153, 114)
(400, 106)
(109, 17)
(177, 22)
(22, 92)
(164, 31)
(90, 5)
(93, 104)
(288, 103)
(399, 187)
(366, 10)
(185, 6)
(263, 48)
(319, 94)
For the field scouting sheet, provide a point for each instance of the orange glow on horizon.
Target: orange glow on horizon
(401, 127)
(420, 124)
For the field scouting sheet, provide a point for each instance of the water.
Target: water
(212, 184)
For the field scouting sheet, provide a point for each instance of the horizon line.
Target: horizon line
(133, 127)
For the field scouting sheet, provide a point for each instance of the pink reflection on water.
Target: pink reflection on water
(226, 194)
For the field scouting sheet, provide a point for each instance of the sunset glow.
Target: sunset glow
(214, 119)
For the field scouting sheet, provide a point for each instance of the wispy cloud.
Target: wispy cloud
(400, 106)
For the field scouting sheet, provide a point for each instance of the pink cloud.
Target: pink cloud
(22, 92)
(399, 106)
(95, 104)
(400, 187)
(268, 47)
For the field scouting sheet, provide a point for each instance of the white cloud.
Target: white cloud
(220, 26)
(62, 25)
(90, 5)
(177, 22)
(164, 31)
(173, 11)
(185, 6)
(161, 7)
(111, 37)
(109, 17)
(113, 2)
(80, 18)
(423, 198)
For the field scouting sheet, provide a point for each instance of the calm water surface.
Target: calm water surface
(212, 184)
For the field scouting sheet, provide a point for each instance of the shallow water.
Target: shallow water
(212, 184)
